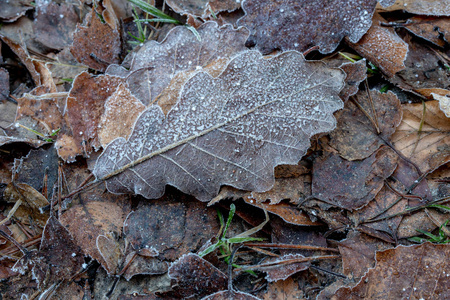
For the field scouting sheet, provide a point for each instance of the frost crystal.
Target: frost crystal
(257, 114)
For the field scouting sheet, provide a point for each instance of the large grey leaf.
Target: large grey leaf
(156, 64)
(229, 130)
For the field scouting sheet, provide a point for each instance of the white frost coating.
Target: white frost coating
(309, 23)
(180, 51)
(259, 113)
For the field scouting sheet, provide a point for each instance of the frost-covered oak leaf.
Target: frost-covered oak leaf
(302, 24)
(229, 130)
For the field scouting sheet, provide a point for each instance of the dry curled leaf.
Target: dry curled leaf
(230, 130)
(299, 25)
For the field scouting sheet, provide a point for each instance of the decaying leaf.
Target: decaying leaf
(356, 73)
(435, 30)
(356, 136)
(383, 47)
(12, 10)
(423, 7)
(415, 272)
(426, 145)
(86, 222)
(96, 45)
(300, 25)
(55, 23)
(425, 69)
(58, 257)
(169, 226)
(196, 277)
(358, 254)
(354, 183)
(221, 128)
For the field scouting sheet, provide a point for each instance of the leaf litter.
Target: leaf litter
(377, 180)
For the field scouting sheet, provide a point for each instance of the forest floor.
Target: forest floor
(224, 150)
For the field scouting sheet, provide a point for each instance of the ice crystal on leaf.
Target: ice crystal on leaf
(229, 130)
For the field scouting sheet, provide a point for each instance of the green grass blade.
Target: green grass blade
(153, 10)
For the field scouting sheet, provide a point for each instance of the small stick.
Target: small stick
(288, 246)
(288, 262)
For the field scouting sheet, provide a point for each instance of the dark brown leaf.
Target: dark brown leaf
(415, 272)
(424, 69)
(85, 106)
(10, 11)
(58, 257)
(96, 45)
(435, 30)
(300, 25)
(171, 227)
(354, 183)
(358, 254)
(196, 277)
(55, 23)
(356, 136)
